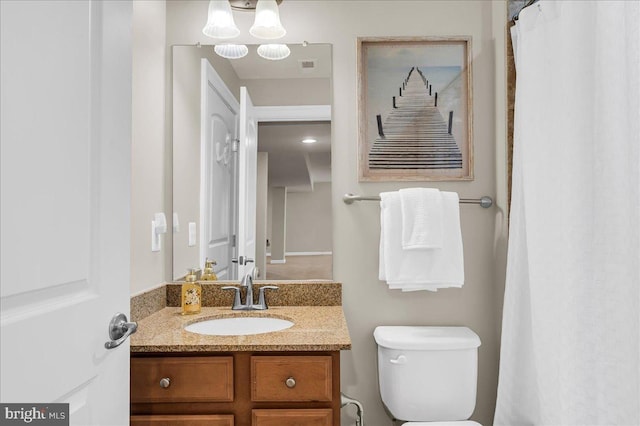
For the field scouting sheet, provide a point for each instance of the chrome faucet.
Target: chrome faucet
(248, 305)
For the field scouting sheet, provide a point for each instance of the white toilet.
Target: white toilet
(428, 375)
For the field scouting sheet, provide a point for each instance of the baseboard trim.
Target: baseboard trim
(309, 253)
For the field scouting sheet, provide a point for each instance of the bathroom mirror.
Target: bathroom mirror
(292, 203)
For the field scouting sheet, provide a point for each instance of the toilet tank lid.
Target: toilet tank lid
(425, 337)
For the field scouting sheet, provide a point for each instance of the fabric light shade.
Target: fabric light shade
(267, 22)
(273, 52)
(220, 23)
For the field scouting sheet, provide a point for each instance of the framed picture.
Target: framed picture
(415, 109)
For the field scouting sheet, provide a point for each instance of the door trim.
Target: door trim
(293, 113)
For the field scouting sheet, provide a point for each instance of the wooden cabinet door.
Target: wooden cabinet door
(291, 378)
(292, 417)
(182, 420)
(186, 379)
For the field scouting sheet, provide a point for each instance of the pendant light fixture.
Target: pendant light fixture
(267, 26)
(220, 23)
(231, 51)
(273, 52)
(267, 22)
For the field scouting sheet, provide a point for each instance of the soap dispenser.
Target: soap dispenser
(207, 273)
(191, 294)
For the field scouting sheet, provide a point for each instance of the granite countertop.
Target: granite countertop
(316, 328)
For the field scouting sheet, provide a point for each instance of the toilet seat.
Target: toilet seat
(457, 423)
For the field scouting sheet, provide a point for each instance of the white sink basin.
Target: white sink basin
(238, 326)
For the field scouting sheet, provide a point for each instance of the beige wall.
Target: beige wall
(278, 202)
(368, 302)
(309, 226)
(148, 144)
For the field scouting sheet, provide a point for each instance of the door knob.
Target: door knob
(242, 260)
(119, 330)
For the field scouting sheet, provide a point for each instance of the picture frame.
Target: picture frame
(415, 109)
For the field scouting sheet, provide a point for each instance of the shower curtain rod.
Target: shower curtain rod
(484, 201)
(529, 3)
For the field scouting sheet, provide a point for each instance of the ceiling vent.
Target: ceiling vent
(307, 65)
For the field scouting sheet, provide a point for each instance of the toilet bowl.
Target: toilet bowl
(428, 375)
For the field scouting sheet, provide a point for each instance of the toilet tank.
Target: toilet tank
(427, 373)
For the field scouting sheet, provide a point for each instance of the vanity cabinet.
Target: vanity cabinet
(239, 389)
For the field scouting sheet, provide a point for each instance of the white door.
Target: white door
(219, 122)
(248, 164)
(65, 188)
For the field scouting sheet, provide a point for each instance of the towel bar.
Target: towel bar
(484, 201)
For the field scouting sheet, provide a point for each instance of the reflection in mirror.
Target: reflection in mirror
(293, 186)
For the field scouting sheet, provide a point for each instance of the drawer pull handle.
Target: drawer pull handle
(290, 382)
(165, 382)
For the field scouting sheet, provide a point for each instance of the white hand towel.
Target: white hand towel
(426, 269)
(421, 218)
(388, 225)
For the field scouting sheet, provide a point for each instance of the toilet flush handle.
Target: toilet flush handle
(400, 360)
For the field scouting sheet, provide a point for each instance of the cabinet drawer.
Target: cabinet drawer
(292, 417)
(182, 420)
(190, 379)
(291, 378)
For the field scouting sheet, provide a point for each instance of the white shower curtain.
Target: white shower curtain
(570, 350)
